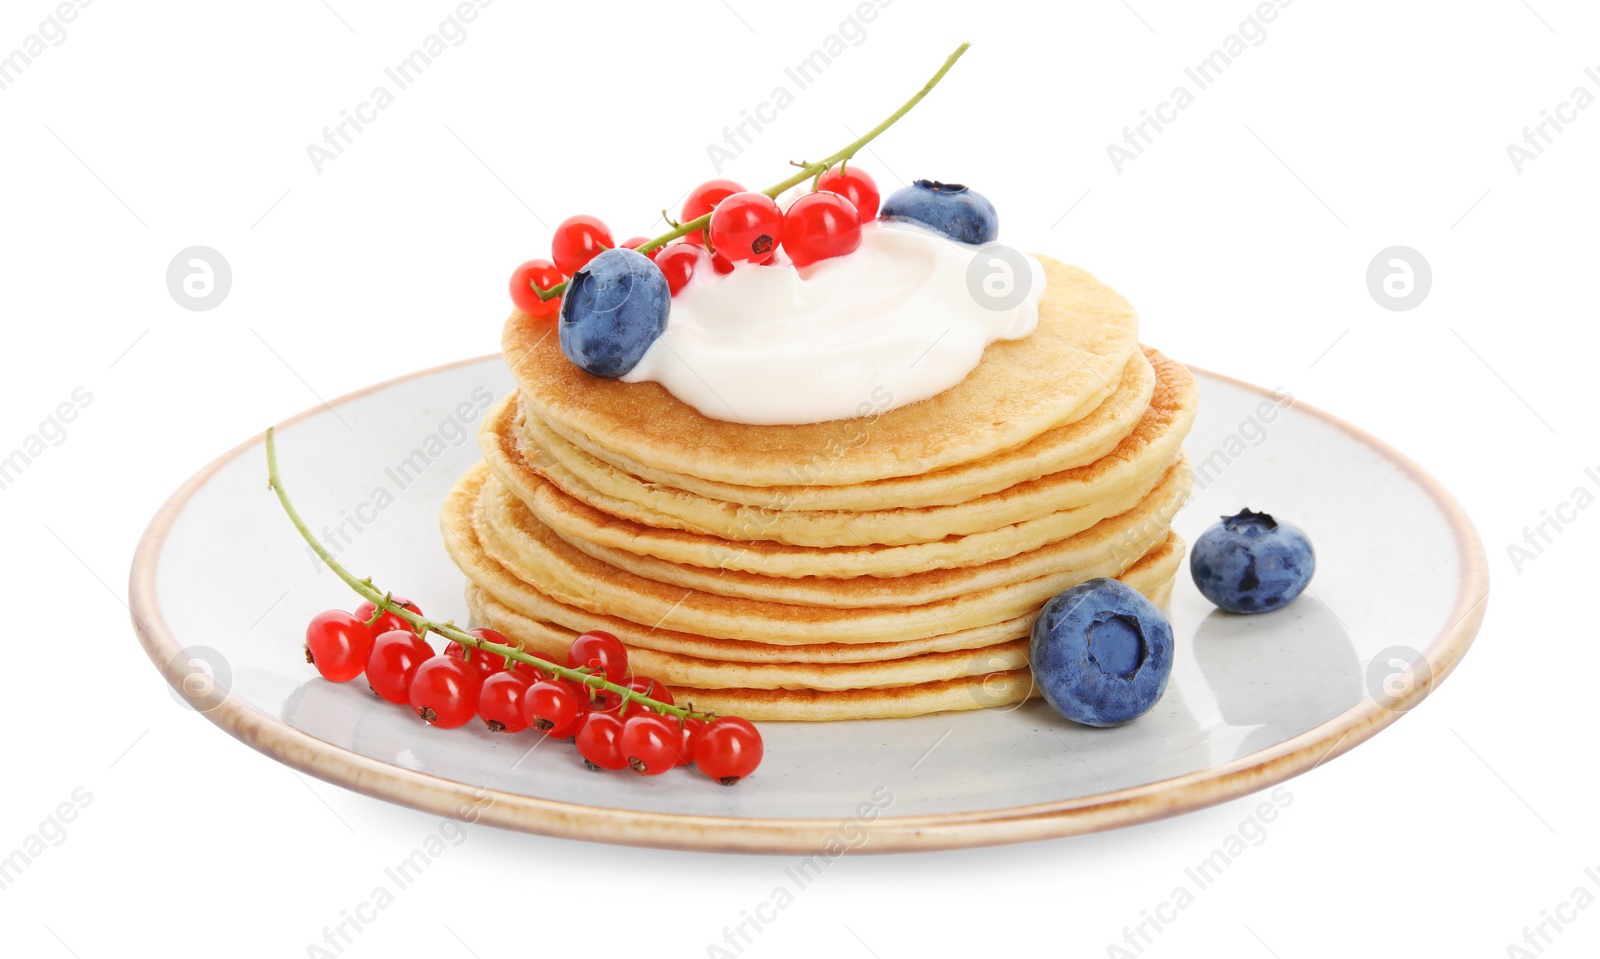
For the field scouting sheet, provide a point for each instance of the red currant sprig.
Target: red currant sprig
(483, 674)
(697, 220)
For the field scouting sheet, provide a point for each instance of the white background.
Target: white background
(1243, 234)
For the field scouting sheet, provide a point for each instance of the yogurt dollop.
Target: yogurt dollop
(904, 317)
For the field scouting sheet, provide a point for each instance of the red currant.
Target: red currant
(444, 691)
(554, 708)
(724, 266)
(530, 672)
(577, 240)
(388, 620)
(689, 731)
(605, 701)
(482, 660)
(393, 662)
(653, 688)
(728, 750)
(746, 226)
(819, 226)
(337, 643)
(855, 185)
(599, 650)
(702, 200)
(500, 700)
(634, 242)
(678, 262)
(586, 695)
(597, 741)
(651, 743)
(541, 273)
(481, 663)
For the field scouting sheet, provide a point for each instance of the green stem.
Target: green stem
(808, 171)
(821, 166)
(383, 601)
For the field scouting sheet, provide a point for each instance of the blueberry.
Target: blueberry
(1101, 653)
(949, 208)
(1251, 563)
(613, 309)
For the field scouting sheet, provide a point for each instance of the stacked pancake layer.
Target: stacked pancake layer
(888, 565)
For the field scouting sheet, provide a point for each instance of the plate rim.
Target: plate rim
(1102, 811)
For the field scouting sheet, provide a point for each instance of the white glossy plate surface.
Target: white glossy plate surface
(1253, 700)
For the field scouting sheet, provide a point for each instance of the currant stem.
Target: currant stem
(385, 602)
(808, 171)
(821, 166)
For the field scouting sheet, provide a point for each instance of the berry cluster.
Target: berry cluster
(615, 718)
(740, 226)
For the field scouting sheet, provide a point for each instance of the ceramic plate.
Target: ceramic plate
(1253, 700)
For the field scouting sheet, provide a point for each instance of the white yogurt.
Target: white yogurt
(855, 335)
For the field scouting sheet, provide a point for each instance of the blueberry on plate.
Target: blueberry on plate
(1101, 653)
(614, 307)
(1251, 563)
(950, 208)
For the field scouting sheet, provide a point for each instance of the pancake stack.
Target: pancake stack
(886, 565)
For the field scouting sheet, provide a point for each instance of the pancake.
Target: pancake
(599, 533)
(577, 579)
(989, 691)
(880, 586)
(1020, 388)
(461, 542)
(551, 641)
(1141, 456)
(989, 682)
(1056, 449)
(506, 522)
